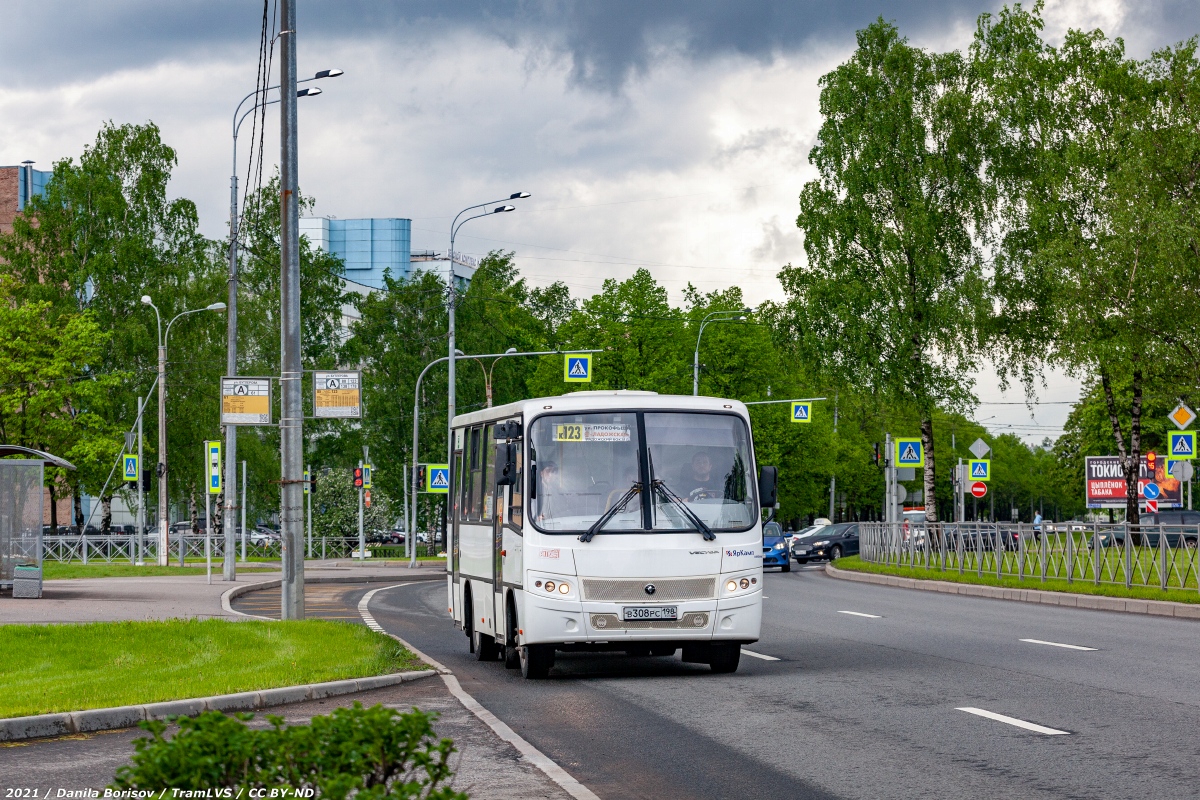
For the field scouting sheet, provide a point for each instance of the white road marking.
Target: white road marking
(746, 652)
(1020, 723)
(536, 757)
(860, 614)
(1059, 644)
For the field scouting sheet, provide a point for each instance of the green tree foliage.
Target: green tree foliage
(335, 506)
(893, 294)
(51, 399)
(1095, 156)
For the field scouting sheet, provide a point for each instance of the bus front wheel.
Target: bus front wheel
(536, 660)
(724, 658)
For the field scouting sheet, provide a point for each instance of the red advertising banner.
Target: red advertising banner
(1104, 483)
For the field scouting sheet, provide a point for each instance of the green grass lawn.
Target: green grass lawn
(55, 570)
(854, 563)
(49, 668)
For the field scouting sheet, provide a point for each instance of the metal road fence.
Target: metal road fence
(1150, 556)
(116, 548)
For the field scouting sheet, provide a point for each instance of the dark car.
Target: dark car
(1180, 526)
(775, 547)
(828, 543)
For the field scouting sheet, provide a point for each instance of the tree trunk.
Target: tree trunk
(193, 517)
(1131, 459)
(931, 513)
(77, 502)
(106, 515)
(53, 509)
(218, 512)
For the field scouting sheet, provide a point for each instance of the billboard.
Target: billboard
(1104, 483)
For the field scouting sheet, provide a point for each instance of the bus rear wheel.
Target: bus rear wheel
(724, 658)
(484, 646)
(536, 660)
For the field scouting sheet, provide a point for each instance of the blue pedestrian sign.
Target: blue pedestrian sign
(577, 368)
(801, 411)
(212, 464)
(437, 478)
(980, 469)
(909, 453)
(1181, 445)
(131, 467)
(1151, 491)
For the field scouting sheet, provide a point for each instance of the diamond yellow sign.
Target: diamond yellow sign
(1182, 416)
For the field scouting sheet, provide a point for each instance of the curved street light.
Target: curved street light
(715, 316)
(163, 510)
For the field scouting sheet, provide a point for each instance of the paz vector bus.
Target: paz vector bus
(607, 521)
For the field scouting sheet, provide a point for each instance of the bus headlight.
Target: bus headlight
(556, 586)
(731, 586)
(741, 584)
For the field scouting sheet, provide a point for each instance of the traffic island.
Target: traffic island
(95, 676)
(1057, 592)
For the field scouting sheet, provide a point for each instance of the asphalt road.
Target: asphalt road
(861, 706)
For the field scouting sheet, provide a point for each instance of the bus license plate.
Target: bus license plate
(634, 613)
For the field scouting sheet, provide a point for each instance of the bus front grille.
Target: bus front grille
(625, 590)
(610, 622)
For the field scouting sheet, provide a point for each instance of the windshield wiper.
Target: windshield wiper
(617, 508)
(663, 491)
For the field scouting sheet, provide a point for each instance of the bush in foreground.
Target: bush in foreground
(365, 753)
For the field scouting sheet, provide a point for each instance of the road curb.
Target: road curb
(237, 591)
(1158, 608)
(106, 719)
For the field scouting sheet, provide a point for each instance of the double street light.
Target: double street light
(229, 564)
(163, 509)
(487, 371)
(453, 300)
(715, 316)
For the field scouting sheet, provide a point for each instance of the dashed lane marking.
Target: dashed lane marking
(1020, 723)
(534, 756)
(861, 614)
(764, 657)
(1060, 644)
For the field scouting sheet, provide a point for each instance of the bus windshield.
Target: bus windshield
(587, 464)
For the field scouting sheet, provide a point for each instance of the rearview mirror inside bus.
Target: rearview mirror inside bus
(767, 479)
(506, 464)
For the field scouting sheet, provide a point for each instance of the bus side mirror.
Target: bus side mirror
(768, 477)
(506, 464)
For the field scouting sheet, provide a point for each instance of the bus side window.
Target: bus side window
(460, 486)
(516, 494)
(488, 446)
(475, 501)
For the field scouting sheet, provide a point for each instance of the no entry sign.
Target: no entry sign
(979, 488)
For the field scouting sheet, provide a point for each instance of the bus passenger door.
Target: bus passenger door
(456, 500)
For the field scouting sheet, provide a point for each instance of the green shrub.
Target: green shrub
(365, 753)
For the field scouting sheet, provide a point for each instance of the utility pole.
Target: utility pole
(243, 511)
(164, 515)
(308, 496)
(291, 418)
(833, 476)
(229, 565)
(362, 542)
(141, 523)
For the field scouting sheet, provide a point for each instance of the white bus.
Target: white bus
(616, 520)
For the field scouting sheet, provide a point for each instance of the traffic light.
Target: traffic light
(146, 480)
(875, 456)
(421, 477)
(358, 477)
(1150, 459)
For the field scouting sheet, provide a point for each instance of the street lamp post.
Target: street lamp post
(487, 372)
(715, 316)
(229, 565)
(453, 300)
(163, 510)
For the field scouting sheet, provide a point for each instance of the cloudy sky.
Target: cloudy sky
(671, 134)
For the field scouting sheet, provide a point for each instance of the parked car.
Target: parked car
(385, 537)
(262, 535)
(828, 543)
(775, 547)
(1179, 525)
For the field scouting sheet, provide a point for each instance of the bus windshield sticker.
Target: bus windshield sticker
(591, 432)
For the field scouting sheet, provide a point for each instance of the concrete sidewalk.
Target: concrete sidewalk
(169, 597)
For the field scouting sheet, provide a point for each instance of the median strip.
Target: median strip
(860, 614)
(1059, 644)
(1020, 723)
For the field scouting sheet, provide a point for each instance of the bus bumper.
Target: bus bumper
(547, 621)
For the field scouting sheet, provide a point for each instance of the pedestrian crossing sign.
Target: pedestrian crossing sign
(577, 368)
(131, 467)
(801, 411)
(437, 478)
(212, 463)
(980, 469)
(909, 453)
(1181, 445)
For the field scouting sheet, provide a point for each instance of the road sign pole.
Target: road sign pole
(407, 532)
(208, 535)
(141, 520)
(362, 541)
(308, 491)
(243, 512)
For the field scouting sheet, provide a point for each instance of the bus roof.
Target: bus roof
(605, 400)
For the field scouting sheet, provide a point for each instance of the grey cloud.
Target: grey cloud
(607, 42)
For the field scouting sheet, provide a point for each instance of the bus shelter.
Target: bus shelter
(21, 508)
